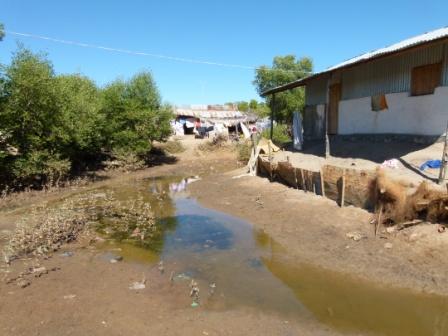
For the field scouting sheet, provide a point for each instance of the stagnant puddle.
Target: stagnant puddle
(250, 269)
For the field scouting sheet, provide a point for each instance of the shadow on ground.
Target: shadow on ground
(376, 151)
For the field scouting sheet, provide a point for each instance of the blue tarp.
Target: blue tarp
(431, 164)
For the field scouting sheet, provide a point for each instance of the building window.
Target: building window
(425, 79)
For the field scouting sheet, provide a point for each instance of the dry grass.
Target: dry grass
(219, 141)
(47, 228)
(173, 147)
(398, 205)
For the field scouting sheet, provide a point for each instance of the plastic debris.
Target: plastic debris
(431, 164)
(194, 293)
(115, 259)
(67, 254)
(138, 284)
(392, 163)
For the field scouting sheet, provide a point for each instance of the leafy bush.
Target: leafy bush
(280, 135)
(54, 125)
(134, 114)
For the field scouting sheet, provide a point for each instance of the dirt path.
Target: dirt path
(315, 230)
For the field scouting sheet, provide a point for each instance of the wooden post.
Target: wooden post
(303, 180)
(327, 109)
(272, 116)
(443, 166)
(343, 189)
(379, 219)
(295, 177)
(322, 182)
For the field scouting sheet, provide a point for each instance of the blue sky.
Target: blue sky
(241, 32)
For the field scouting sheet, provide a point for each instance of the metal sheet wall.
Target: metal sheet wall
(445, 66)
(389, 75)
(316, 91)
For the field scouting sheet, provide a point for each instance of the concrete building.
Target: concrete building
(400, 89)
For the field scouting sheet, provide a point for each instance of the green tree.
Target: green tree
(80, 130)
(135, 116)
(30, 109)
(30, 116)
(243, 106)
(253, 105)
(263, 110)
(284, 69)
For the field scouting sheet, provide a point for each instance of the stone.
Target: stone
(356, 236)
(22, 283)
(390, 229)
(69, 297)
(67, 254)
(115, 259)
(388, 245)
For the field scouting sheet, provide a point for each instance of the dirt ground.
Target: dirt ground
(87, 295)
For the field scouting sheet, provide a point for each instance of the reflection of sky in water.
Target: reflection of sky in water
(197, 233)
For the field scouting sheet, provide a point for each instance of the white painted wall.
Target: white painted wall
(422, 115)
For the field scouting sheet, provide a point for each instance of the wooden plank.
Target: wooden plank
(322, 184)
(425, 79)
(358, 185)
(343, 189)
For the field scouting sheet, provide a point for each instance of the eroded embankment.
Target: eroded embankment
(314, 229)
(394, 201)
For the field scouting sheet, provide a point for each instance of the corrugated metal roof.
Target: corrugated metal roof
(204, 114)
(434, 35)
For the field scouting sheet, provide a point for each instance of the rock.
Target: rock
(115, 259)
(388, 245)
(137, 285)
(69, 297)
(356, 236)
(22, 283)
(67, 254)
(390, 229)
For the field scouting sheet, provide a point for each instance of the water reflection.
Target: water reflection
(352, 305)
(252, 270)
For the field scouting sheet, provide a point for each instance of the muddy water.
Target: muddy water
(250, 269)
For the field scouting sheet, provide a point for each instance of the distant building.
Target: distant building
(400, 89)
(217, 117)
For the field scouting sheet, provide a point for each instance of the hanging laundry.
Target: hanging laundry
(297, 131)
